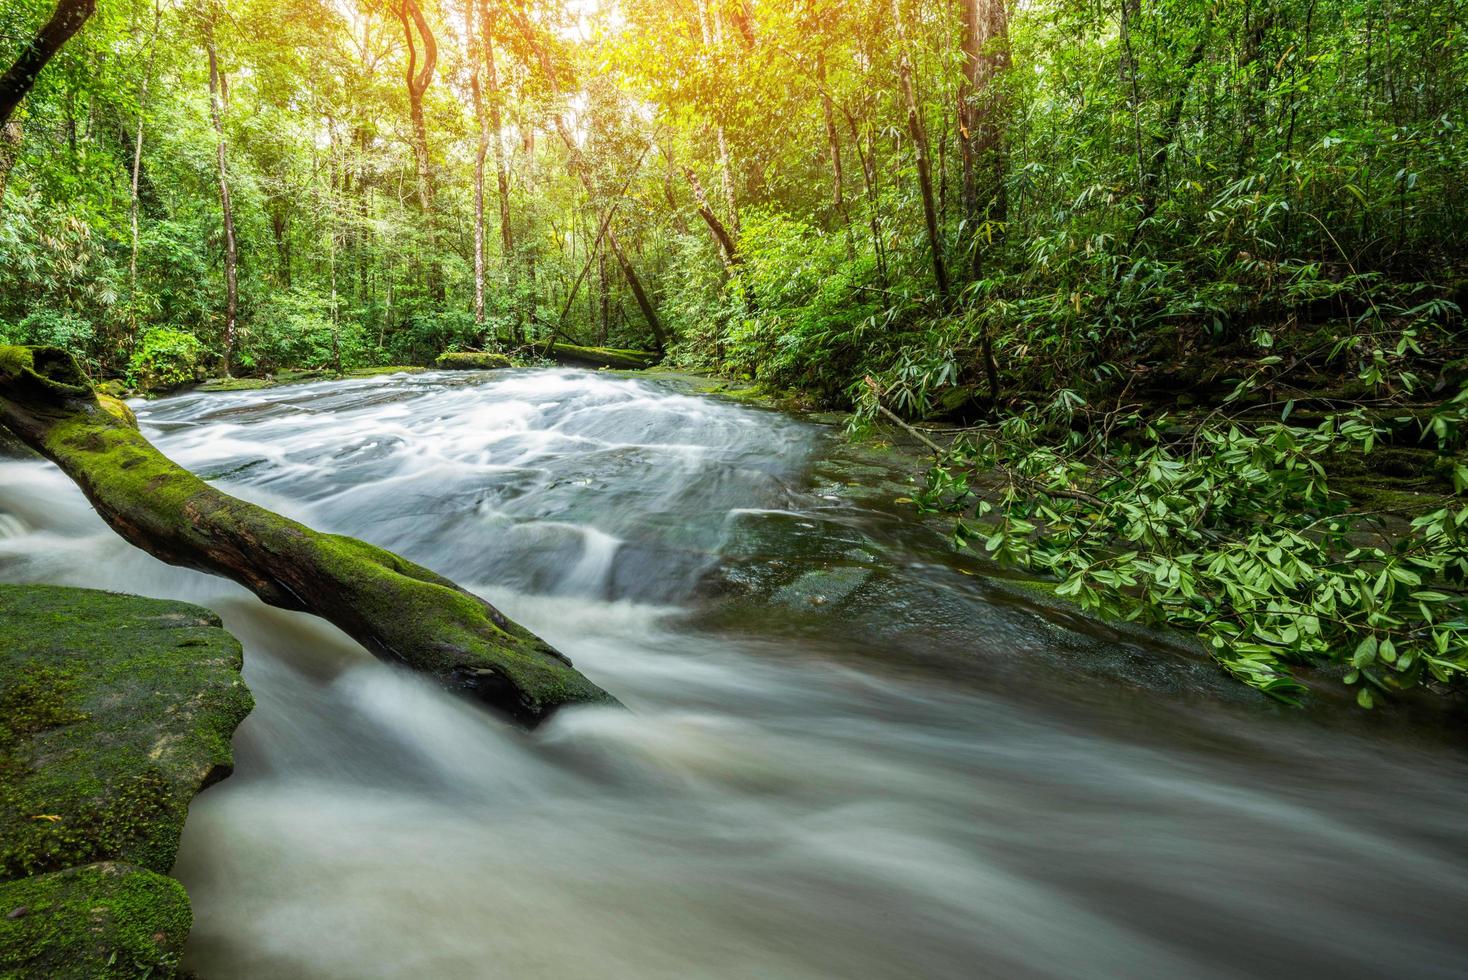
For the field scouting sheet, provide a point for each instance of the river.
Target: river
(848, 753)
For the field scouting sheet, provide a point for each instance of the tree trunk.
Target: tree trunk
(674, 210)
(132, 211)
(980, 134)
(496, 118)
(66, 20)
(400, 611)
(919, 137)
(579, 168)
(410, 15)
(728, 251)
(626, 360)
(968, 113)
(833, 142)
(712, 35)
(218, 104)
(1157, 165)
(649, 313)
(11, 137)
(481, 151)
(605, 296)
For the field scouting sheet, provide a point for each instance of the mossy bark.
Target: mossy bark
(611, 357)
(399, 610)
(471, 361)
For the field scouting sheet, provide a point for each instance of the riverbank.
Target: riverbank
(117, 711)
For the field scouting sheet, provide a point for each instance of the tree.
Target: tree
(20, 77)
(917, 133)
(218, 106)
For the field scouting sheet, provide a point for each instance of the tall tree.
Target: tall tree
(488, 24)
(137, 170)
(918, 134)
(218, 107)
(985, 48)
(481, 117)
(711, 27)
(20, 77)
(583, 173)
(419, 75)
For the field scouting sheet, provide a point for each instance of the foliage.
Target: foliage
(956, 210)
(1228, 530)
(295, 329)
(165, 358)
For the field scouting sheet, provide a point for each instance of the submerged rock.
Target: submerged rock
(115, 711)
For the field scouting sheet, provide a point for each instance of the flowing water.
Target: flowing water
(847, 755)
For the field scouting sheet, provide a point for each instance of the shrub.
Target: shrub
(1230, 531)
(295, 329)
(165, 358)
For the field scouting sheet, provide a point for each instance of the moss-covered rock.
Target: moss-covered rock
(101, 920)
(114, 712)
(471, 361)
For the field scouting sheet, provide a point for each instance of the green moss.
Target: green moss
(454, 634)
(284, 378)
(373, 372)
(614, 357)
(235, 384)
(118, 710)
(102, 920)
(37, 697)
(472, 361)
(398, 610)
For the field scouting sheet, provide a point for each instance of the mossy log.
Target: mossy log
(612, 357)
(469, 360)
(400, 611)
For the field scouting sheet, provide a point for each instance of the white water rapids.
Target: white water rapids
(844, 758)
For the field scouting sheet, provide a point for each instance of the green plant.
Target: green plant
(165, 358)
(1227, 530)
(295, 329)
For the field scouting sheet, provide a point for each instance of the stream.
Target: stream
(849, 754)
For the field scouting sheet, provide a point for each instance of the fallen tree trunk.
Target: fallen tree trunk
(400, 611)
(611, 357)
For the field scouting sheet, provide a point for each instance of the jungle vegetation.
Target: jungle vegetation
(1173, 288)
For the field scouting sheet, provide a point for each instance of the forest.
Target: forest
(1143, 319)
(1188, 274)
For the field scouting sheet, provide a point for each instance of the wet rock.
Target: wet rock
(115, 711)
(102, 920)
(822, 586)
